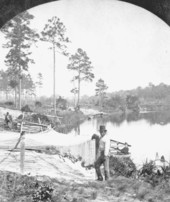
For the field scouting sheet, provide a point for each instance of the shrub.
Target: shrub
(38, 104)
(35, 118)
(122, 167)
(154, 174)
(44, 119)
(9, 103)
(42, 193)
(26, 108)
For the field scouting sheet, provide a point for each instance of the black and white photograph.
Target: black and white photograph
(84, 100)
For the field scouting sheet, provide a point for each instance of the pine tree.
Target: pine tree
(4, 82)
(101, 87)
(54, 33)
(39, 83)
(19, 40)
(81, 63)
(14, 84)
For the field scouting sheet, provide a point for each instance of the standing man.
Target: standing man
(103, 154)
(8, 120)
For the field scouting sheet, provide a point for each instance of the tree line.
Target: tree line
(9, 86)
(152, 97)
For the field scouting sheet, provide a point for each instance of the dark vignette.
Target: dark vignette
(10, 8)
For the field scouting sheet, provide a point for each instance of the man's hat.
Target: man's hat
(102, 128)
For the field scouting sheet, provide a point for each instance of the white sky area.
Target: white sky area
(128, 46)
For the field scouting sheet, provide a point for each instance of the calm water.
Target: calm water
(147, 133)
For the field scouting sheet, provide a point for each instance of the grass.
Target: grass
(69, 120)
(17, 188)
(141, 193)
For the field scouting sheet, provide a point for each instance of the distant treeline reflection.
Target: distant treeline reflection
(161, 118)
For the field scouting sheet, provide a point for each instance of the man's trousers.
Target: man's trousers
(102, 160)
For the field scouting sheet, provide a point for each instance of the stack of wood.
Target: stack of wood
(30, 127)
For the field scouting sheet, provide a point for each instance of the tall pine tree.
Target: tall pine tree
(54, 34)
(101, 88)
(81, 63)
(19, 37)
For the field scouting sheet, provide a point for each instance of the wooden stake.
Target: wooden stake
(22, 153)
(40, 123)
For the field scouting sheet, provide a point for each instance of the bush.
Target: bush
(26, 108)
(154, 174)
(122, 167)
(9, 103)
(38, 104)
(42, 193)
(44, 119)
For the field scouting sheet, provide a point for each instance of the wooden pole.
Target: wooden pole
(40, 123)
(22, 153)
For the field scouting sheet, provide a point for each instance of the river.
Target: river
(147, 133)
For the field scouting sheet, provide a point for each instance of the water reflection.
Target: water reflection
(161, 118)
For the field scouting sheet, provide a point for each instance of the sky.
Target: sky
(128, 46)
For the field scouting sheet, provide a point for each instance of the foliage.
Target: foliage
(70, 120)
(35, 118)
(81, 64)
(38, 104)
(42, 193)
(150, 98)
(154, 174)
(19, 40)
(100, 87)
(40, 78)
(54, 33)
(13, 84)
(9, 103)
(132, 102)
(122, 166)
(100, 91)
(44, 119)
(27, 82)
(74, 91)
(61, 103)
(26, 108)
(4, 81)
(39, 82)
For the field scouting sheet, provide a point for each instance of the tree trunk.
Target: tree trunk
(78, 100)
(54, 95)
(100, 100)
(75, 99)
(20, 92)
(6, 92)
(15, 97)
